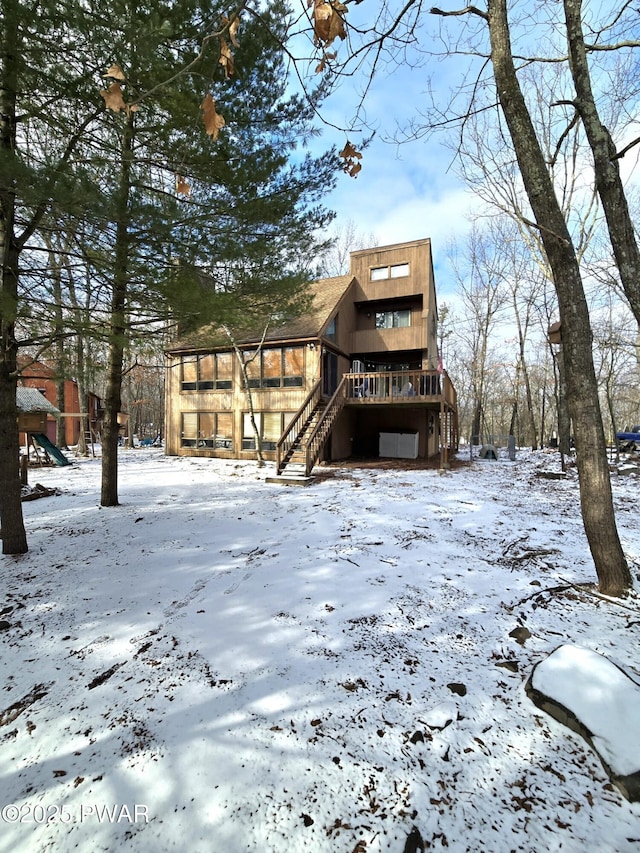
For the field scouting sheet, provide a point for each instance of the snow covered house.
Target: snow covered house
(359, 375)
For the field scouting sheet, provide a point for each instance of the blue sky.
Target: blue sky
(404, 191)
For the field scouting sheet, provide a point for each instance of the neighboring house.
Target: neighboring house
(356, 376)
(33, 411)
(35, 374)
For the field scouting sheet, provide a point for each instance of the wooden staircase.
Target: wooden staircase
(301, 444)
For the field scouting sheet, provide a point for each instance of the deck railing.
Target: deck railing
(391, 387)
(400, 386)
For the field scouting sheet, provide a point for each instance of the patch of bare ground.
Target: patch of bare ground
(342, 468)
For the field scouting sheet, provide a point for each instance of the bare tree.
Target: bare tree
(484, 297)
(582, 390)
(605, 158)
(344, 239)
(545, 216)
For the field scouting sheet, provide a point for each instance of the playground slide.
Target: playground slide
(51, 449)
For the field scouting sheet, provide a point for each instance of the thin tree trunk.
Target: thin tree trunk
(522, 341)
(476, 423)
(582, 391)
(247, 389)
(564, 418)
(58, 346)
(118, 328)
(80, 374)
(81, 446)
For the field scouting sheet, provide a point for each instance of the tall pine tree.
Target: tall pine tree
(150, 198)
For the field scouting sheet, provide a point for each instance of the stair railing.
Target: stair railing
(321, 431)
(296, 424)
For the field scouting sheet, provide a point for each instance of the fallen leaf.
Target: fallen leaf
(520, 634)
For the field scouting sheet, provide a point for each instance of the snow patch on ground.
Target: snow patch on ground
(266, 668)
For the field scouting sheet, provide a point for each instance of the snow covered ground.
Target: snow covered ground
(224, 665)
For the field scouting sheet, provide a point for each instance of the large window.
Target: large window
(270, 426)
(212, 430)
(393, 319)
(209, 372)
(393, 271)
(277, 368)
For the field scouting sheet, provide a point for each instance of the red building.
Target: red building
(35, 374)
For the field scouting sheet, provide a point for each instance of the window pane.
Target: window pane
(271, 429)
(293, 361)
(248, 440)
(271, 426)
(331, 330)
(384, 320)
(189, 372)
(272, 363)
(189, 429)
(224, 365)
(253, 367)
(399, 270)
(402, 318)
(206, 431)
(378, 273)
(189, 425)
(224, 434)
(292, 381)
(206, 368)
(247, 428)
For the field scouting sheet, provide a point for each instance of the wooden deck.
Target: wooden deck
(399, 388)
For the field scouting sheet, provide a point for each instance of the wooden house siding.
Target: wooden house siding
(381, 319)
(285, 400)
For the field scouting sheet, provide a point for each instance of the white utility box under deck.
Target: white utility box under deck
(399, 445)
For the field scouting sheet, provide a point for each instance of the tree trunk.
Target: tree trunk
(582, 391)
(14, 537)
(476, 423)
(79, 369)
(564, 419)
(247, 388)
(118, 325)
(608, 181)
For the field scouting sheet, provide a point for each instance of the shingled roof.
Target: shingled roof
(31, 400)
(326, 293)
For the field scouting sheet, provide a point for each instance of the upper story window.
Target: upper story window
(393, 271)
(209, 372)
(277, 368)
(393, 319)
(399, 270)
(331, 330)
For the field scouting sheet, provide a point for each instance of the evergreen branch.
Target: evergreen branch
(44, 203)
(203, 46)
